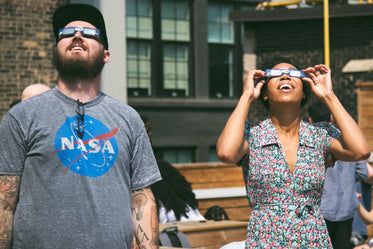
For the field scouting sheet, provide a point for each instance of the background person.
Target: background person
(76, 165)
(30, 91)
(338, 202)
(175, 198)
(367, 218)
(33, 90)
(364, 190)
(283, 158)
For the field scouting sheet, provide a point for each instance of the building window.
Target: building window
(158, 57)
(139, 17)
(175, 20)
(139, 28)
(138, 69)
(221, 71)
(176, 155)
(213, 157)
(175, 71)
(220, 28)
(221, 47)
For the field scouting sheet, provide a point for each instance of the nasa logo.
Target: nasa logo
(93, 154)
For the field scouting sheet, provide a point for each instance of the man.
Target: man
(76, 165)
(33, 90)
(339, 202)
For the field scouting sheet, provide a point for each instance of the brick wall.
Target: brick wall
(303, 42)
(26, 46)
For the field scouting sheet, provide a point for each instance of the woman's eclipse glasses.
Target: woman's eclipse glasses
(270, 73)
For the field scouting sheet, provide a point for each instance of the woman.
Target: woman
(174, 196)
(283, 158)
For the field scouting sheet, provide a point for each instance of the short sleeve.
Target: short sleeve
(12, 147)
(361, 171)
(144, 168)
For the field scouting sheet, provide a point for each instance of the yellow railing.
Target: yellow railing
(326, 19)
(325, 14)
(326, 33)
(269, 4)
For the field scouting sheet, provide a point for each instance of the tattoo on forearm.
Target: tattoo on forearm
(141, 234)
(155, 227)
(9, 187)
(139, 200)
(146, 218)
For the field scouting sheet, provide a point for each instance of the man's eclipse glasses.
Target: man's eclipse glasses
(279, 72)
(86, 32)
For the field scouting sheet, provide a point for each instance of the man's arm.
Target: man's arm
(144, 210)
(9, 189)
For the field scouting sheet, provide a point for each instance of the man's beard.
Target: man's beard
(72, 70)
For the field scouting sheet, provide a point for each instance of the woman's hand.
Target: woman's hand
(319, 78)
(249, 88)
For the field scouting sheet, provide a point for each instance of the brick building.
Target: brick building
(187, 121)
(26, 45)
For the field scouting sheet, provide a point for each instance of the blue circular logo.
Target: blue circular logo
(86, 147)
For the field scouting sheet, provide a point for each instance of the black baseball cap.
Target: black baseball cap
(80, 12)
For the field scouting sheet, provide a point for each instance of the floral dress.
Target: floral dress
(285, 205)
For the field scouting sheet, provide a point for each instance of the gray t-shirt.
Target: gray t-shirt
(75, 193)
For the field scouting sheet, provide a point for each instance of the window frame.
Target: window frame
(156, 61)
(237, 53)
(160, 151)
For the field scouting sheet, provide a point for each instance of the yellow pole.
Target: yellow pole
(326, 33)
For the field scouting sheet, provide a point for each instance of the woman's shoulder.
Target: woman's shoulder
(325, 127)
(258, 125)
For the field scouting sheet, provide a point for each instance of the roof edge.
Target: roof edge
(284, 14)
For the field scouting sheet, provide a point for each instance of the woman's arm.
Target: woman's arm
(352, 146)
(231, 145)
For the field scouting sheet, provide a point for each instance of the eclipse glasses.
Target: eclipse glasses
(86, 32)
(279, 72)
